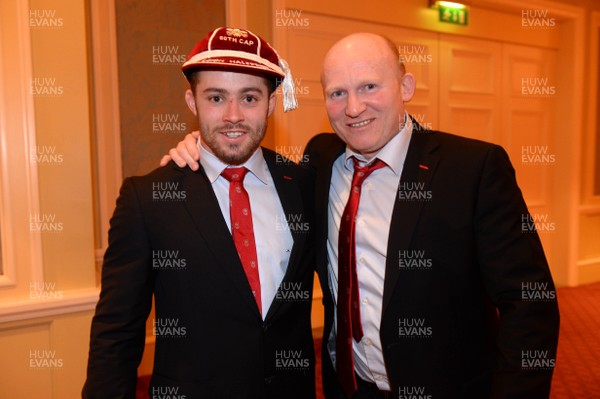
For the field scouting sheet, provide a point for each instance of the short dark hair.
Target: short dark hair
(192, 78)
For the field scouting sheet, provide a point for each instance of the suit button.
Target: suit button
(268, 380)
(266, 326)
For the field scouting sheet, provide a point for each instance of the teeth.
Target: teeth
(233, 135)
(361, 123)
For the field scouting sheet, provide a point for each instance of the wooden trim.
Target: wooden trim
(19, 180)
(589, 270)
(70, 302)
(236, 13)
(590, 209)
(106, 120)
(593, 122)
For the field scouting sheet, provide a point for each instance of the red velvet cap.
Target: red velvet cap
(234, 49)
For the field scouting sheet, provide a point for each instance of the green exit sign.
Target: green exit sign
(453, 15)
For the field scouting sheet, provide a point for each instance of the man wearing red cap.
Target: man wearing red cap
(231, 279)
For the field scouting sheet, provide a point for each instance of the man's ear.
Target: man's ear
(272, 102)
(190, 100)
(408, 86)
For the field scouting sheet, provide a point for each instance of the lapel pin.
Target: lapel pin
(424, 167)
(287, 177)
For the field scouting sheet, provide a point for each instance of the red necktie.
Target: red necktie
(348, 311)
(242, 229)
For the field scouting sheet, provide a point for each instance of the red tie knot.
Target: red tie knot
(368, 168)
(234, 174)
(362, 172)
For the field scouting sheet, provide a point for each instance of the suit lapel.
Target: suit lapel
(291, 202)
(289, 195)
(324, 165)
(418, 170)
(419, 167)
(204, 210)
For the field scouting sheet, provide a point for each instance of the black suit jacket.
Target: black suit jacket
(460, 318)
(168, 238)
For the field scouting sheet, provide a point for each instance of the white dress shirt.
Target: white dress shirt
(273, 243)
(379, 192)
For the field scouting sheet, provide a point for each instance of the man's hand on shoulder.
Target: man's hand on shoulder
(186, 152)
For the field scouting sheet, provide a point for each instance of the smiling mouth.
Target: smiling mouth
(361, 124)
(233, 135)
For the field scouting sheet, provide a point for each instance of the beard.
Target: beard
(233, 153)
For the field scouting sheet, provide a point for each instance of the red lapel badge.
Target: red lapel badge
(424, 167)
(287, 177)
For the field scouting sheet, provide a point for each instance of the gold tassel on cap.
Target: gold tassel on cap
(287, 88)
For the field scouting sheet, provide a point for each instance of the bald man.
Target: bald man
(433, 287)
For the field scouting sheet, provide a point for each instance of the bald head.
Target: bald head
(365, 44)
(365, 88)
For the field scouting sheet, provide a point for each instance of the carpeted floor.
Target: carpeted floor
(577, 373)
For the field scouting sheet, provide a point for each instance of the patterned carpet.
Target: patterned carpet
(577, 373)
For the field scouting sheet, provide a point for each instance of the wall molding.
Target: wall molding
(19, 198)
(593, 122)
(28, 309)
(236, 13)
(589, 270)
(105, 114)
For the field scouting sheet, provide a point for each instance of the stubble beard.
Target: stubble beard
(232, 153)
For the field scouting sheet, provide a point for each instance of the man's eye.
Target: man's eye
(369, 86)
(250, 99)
(335, 94)
(215, 99)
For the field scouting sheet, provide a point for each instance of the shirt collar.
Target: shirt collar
(393, 153)
(213, 166)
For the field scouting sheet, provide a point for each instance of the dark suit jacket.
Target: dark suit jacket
(168, 238)
(459, 264)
